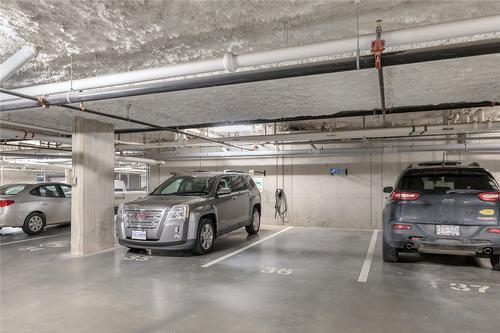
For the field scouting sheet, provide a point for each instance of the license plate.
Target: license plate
(139, 234)
(447, 230)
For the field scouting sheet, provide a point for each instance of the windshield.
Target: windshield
(185, 185)
(11, 189)
(441, 182)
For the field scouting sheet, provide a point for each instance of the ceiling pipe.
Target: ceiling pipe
(413, 56)
(112, 116)
(119, 158)
(10, 66)
(32, 127)
(36, 128)
(340, 114)
(384, 132)
(139, 160)
(21, 135)
(469, 148)
(231, 62)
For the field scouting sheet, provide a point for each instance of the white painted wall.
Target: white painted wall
(315, 198)
(17, 176)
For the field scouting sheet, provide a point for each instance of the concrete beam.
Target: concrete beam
(92, 226)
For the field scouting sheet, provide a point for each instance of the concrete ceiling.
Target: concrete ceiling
(113, 36)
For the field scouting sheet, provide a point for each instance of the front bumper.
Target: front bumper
(164, 235)
(138, 244)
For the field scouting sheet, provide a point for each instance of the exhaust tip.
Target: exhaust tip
(487, 250)
(409, 246)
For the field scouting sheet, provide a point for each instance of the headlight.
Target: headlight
(178, 213)
(119, 212)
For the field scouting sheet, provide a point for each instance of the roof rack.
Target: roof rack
(233, 171)
(436, 163)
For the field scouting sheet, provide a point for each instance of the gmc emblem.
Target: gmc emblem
(140, 216)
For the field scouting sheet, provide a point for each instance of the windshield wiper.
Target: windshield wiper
(191, 192)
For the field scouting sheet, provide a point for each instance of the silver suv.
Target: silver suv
(189, 211)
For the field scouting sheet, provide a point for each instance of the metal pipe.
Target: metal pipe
(33, 127)
(10, 66)
(333, 66)
(469, 148)
(139, 160)
(230, 62)
(21, 135)
(139, 122)
(391, 132)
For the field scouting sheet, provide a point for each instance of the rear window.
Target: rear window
(11, 189)
(439, 182)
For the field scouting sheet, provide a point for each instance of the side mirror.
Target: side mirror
(388, 189)
(223, 190)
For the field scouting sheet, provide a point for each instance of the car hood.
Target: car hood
(163, 201)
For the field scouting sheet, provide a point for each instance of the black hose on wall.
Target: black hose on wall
(280, 205)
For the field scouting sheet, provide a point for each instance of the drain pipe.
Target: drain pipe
(231, 62)
(11, 65)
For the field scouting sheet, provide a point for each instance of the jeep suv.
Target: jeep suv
(189, 211)
(445, 208)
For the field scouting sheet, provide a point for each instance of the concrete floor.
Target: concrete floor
(302, 280)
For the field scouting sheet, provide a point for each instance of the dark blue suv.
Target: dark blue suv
(445, 208)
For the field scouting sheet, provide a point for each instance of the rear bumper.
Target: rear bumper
(457, 249)
(479, 242)
(138, 244)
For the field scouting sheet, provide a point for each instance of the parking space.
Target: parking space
(285, 283)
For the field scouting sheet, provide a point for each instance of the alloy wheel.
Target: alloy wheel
(207, 236)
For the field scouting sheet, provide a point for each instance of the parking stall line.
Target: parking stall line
(32, 239)
(229, 255)
(365, 270)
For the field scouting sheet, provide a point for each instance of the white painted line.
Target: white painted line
(365, 270)
(224, 257)
(32, 239)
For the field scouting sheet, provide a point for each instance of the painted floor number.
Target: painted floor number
(469, 287)
(281, 271)
(135, 257)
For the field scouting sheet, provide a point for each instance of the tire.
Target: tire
(495, 262)
(34, 223)
(390, 254)
(254, 226)
(205, 238)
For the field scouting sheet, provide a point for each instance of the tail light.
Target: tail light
(489, 196)
(5, 203)
(405, 196)
(399, 226)
(494, 230)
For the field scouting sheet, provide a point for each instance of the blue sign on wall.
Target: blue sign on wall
(338, 171)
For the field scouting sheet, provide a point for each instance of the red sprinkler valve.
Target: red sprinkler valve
(378, 46)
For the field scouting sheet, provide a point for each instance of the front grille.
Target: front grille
(143, 218)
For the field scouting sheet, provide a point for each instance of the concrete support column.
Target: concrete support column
(68, 173)
(154, 177)
(92, 225)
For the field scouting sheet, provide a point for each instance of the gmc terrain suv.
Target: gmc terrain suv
(445, 208)
(189, 211)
